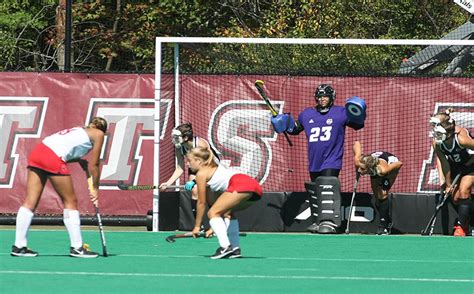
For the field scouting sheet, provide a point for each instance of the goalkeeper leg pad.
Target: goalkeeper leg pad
(325, 201)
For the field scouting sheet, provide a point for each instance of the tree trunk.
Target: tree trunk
(60, 32)
(110, 58)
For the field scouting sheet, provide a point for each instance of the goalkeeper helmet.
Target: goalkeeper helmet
(324, 90)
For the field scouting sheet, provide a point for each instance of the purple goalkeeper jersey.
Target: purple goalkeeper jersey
(325, 135)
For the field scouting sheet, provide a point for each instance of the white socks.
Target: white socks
(73, 225)
(23, 222)
(220, 229)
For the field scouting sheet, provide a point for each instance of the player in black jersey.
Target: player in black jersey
(383, 169)
(454, 148)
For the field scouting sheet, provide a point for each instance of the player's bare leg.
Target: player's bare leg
(36, 181)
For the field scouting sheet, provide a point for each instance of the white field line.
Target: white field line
(257, 277)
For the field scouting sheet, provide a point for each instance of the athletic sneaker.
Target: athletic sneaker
(23, 252)
(459, 231)
(222, 252)
(82, 252)
(384, 229)
(236, 253)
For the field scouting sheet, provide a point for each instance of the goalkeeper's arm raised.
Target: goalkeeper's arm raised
(285, 123)
(356, 112)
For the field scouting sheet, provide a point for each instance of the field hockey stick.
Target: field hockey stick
(90, 185)
(352, 202)
(123, 186)
(428, 230)
(99, 219)
(172, 238)
(259, 86)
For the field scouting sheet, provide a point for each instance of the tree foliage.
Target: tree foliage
(120, 35)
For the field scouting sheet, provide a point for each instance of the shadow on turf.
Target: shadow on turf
(67, 255)
(243, 257)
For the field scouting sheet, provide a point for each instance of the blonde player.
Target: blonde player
(184, 140)
(235, 191)
(383, 168)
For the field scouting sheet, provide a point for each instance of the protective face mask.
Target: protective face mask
(437, 131)
(177, 138)
(439, 134)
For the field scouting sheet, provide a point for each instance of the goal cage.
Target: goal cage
(210, 82)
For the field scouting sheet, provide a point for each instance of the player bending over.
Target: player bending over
(454, 148)
(48, 161)
(184, 140)
(383, 168)
(234, 191)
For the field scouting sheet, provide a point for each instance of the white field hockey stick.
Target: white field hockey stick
(352, 201)
(259, 86)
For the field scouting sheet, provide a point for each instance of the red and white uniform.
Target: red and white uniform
(227, 180)
(57, 149)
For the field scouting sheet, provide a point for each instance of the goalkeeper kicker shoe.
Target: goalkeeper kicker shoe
(23, 252)
(313, 228)
(82, 252)
(222, 252)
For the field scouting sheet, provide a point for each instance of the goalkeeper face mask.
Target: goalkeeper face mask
(177, 138)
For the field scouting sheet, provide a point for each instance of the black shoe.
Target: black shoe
(236, 253)
(23, 252)
(384, 229)
(313, 228)
(222, 252)
(82, 252)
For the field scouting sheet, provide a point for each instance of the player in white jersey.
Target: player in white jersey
(48, 161)
(236, 191)
(184, 140)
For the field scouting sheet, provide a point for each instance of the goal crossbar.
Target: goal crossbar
(445, 42)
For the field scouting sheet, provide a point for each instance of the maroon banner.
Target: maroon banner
(229, 113)
(34, 106)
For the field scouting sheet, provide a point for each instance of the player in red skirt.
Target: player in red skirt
(236, 191)
(48, 161)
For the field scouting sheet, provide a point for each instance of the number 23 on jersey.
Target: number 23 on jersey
(320, 134)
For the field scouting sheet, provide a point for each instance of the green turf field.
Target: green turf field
(143, 262)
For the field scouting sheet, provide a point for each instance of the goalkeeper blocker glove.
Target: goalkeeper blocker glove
(283, 123)
(356, 112)
(189, 185)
